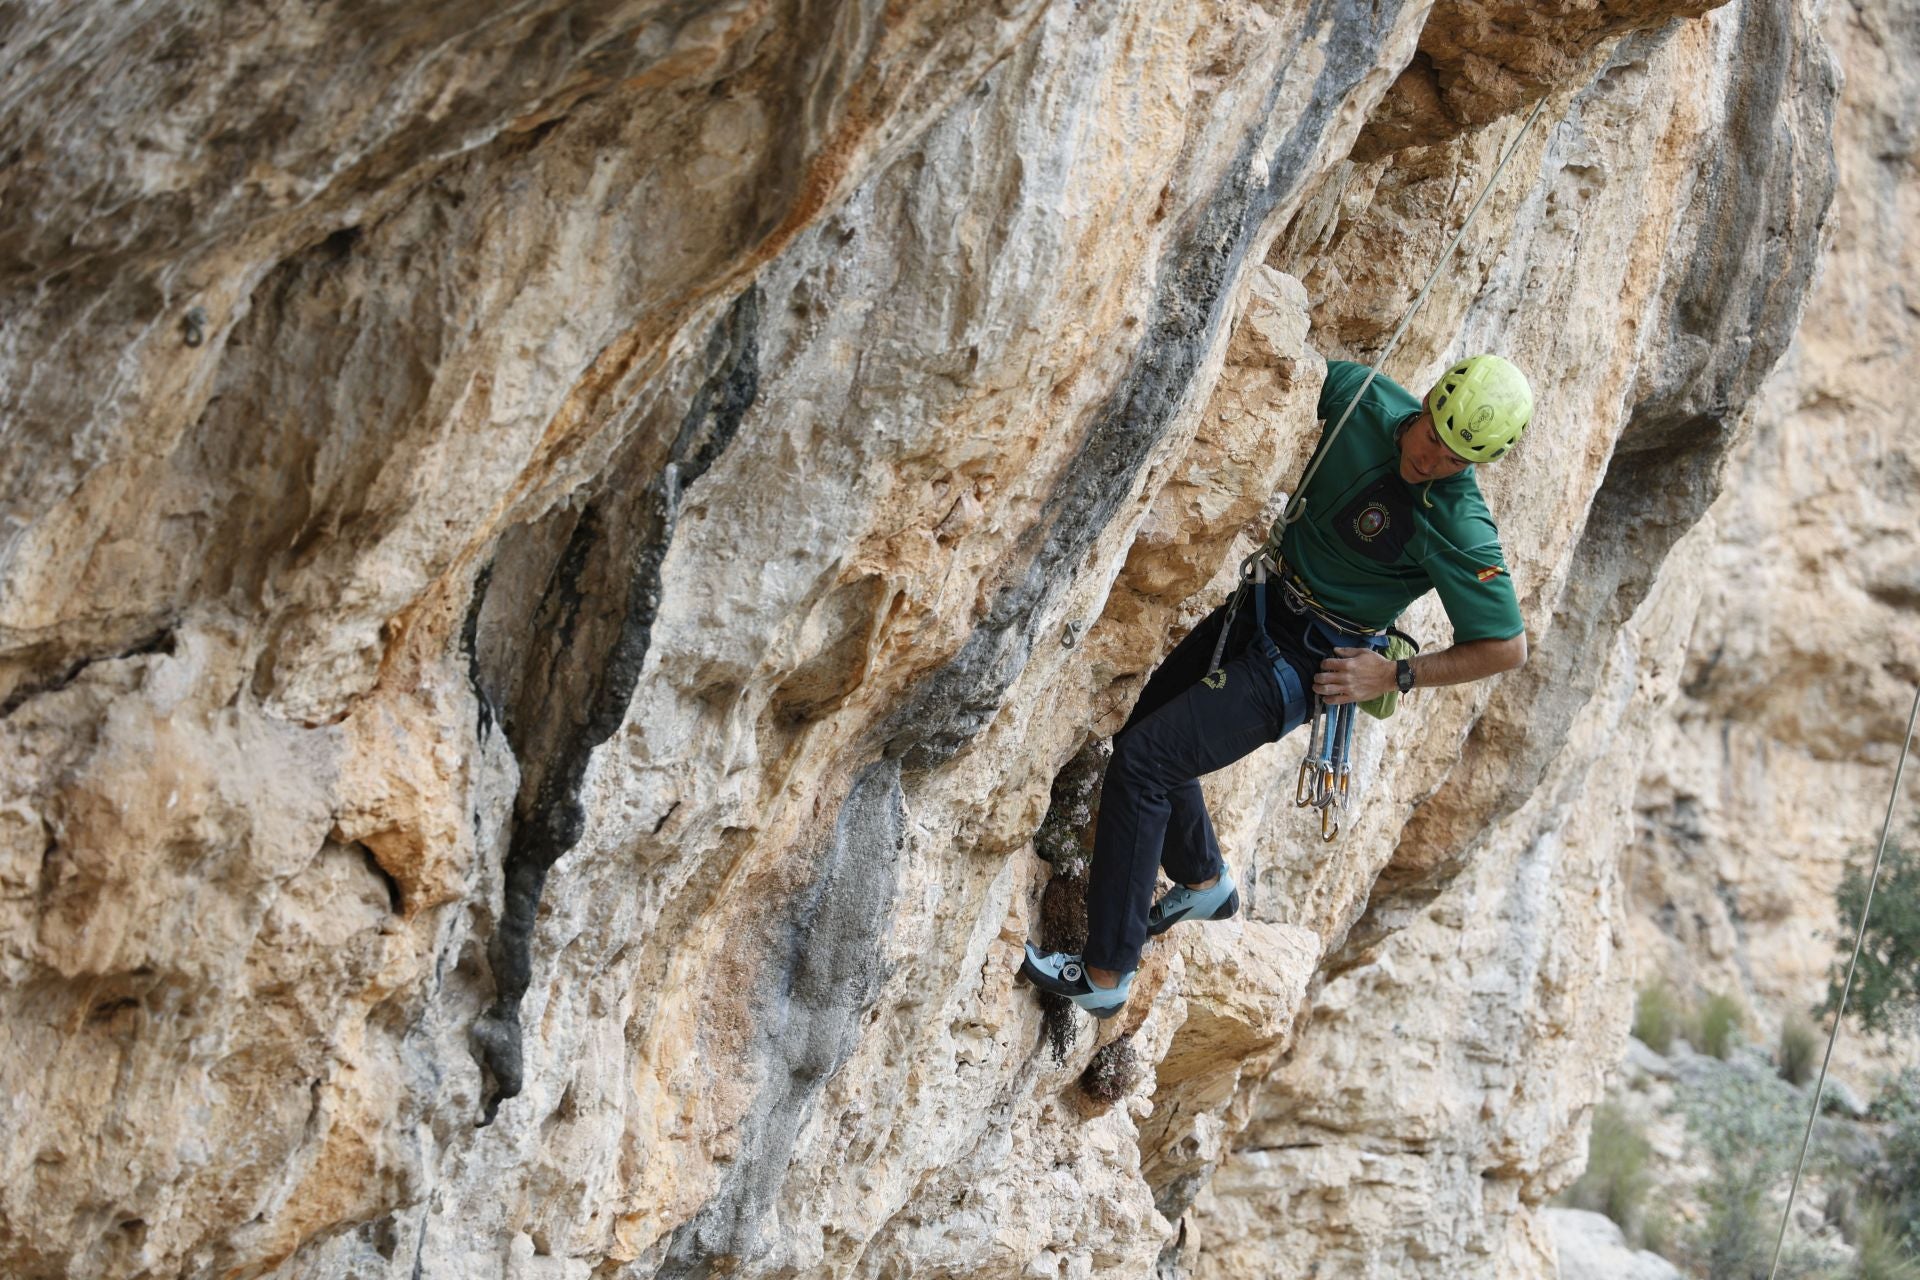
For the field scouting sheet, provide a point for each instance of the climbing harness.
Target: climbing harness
(1298, 597)
(1846, 990)
(1326, 772)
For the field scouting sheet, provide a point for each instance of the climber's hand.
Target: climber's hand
(1353, 675)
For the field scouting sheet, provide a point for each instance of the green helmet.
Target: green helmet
(1480, 407)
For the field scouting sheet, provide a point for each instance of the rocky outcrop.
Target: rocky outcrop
(1452, 1047)
(1770, 772)
(1591, 1248)
(553, 556)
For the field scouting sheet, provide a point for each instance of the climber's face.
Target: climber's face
(1422, 455)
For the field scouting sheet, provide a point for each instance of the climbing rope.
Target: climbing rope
(1297, 506)
(1846, 990)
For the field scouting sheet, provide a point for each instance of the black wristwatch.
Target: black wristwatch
(1403, 675)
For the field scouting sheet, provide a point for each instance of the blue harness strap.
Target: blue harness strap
(1326, 771)
(1291, 690)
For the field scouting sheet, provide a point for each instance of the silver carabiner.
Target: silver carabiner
(1305, 791)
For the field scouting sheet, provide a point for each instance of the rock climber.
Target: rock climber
(1390, 511)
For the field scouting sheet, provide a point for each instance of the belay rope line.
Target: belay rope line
(1296, 506)
(1327, 769)
(1860, 937)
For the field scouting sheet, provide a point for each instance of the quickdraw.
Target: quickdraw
(1326, 771)
(1325, 781)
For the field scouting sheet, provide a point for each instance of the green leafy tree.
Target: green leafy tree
(1886, 987)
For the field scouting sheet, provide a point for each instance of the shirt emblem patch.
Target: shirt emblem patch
(1491, 571)
(1371, 521)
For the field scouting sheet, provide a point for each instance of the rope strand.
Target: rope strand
(1298, 505)
(1859, 939)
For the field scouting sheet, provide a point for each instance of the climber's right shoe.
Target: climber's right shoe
(1064, 975)
(1215, 902)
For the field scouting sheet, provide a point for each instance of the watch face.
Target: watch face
(1404, 676)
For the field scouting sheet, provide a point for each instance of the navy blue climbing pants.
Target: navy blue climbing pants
(1152, 812)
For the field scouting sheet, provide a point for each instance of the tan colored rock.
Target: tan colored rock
(1414, 1128)
(1436, 1098)
(1771, 771)
(1480, 60)
(554, 557)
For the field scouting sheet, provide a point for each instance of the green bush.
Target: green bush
(1656, 1016)
(1616, 1179)
(1716, 1023)
(1799, 1054)
(1658, 1232)
(1734, 1242)
(1879, 1252)
(1886, 988)
(1897, 1178)
(1749, 1128)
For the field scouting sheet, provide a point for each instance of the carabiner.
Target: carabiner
(1305, 791)
(1329, 825)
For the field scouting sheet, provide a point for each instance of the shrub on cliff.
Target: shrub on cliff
(1113, 1073)
(1749, 1126)
(1716, 1023)
(1799, 1052)
(1656, 1016)
(1897, 1178)
(1879, 1251)
(1065, 837)
(1616, 1179)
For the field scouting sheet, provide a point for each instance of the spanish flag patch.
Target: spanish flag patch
(1491, 571)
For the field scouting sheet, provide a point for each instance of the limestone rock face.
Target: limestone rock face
(1479, 998)
(1771, 771)
(551, 556)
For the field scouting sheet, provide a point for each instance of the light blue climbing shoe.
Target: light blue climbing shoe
(1063, 974)
(1216, 902)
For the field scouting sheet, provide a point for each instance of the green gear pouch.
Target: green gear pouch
(1398, 647)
